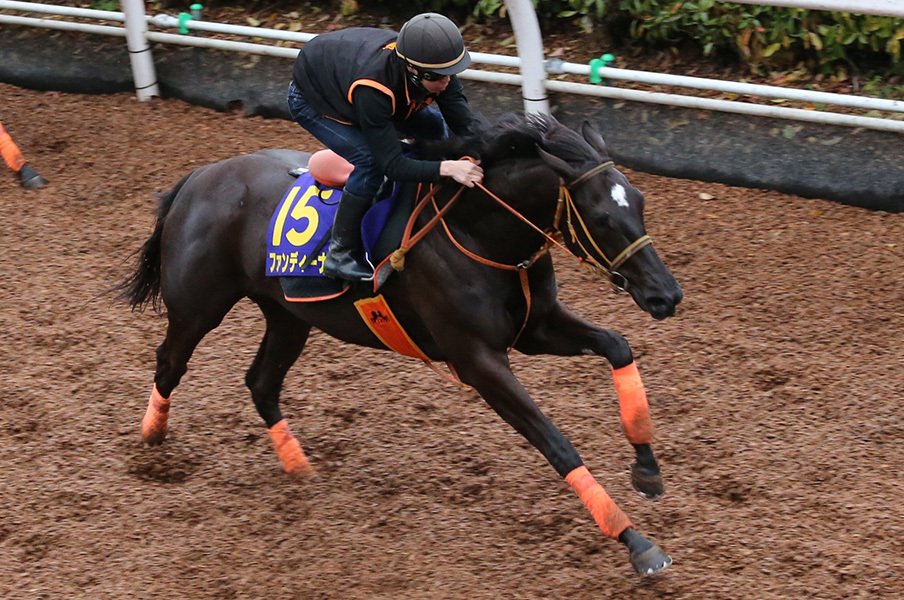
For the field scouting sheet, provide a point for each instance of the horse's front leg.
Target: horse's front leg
(560, 332)
(489, 373)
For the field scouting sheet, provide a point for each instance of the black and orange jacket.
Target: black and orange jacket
(354, 76)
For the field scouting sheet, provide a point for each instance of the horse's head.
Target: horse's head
(602, 216)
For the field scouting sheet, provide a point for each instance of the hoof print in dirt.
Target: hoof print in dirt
(163, 470)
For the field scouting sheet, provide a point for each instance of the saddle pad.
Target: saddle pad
(299, 232)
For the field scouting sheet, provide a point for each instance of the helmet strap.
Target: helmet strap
(415, 80)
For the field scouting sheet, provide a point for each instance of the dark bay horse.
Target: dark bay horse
(472, 288)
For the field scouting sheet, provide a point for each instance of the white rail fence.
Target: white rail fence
(531, 63)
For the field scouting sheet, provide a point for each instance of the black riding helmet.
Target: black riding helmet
(431, 42)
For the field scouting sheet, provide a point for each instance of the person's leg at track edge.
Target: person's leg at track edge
(345, 258)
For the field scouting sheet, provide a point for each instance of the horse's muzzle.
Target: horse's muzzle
(662, 307)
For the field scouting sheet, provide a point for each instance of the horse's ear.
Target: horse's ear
(592, 137)
(558, 165)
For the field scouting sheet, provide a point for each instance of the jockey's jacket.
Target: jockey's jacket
(354, 76)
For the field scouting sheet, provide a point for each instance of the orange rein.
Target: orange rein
(397, 259)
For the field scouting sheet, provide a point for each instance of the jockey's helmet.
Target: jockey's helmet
(431, 43)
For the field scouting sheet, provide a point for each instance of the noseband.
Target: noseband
(596, 259)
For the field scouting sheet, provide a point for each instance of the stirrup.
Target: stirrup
(349, 269)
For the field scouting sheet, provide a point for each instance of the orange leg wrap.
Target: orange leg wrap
(632, 404)
(153, 426)
(611, 520)
(10, 152)
(289, 450)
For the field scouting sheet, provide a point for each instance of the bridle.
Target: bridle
(596, 260)
(594, 257)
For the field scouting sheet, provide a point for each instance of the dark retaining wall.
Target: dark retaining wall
(854, 166)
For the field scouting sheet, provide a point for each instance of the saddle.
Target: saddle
(299, 230)
(327, 168)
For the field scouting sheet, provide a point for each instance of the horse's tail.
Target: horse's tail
(143, 286)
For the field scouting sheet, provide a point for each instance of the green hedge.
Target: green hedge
(764, 35)
(757, 35)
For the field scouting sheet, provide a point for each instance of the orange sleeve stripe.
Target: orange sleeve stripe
(608, 516)
(338, 120)
(632, 404)
(373, 84)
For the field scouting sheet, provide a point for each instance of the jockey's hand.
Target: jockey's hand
(463, 171)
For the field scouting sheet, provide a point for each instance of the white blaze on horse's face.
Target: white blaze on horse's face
(619, 195)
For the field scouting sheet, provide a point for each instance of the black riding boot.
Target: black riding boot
(345, 259)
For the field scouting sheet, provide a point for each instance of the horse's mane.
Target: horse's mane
(563, 141)
(514, 136)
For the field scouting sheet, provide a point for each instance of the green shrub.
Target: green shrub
(757, 35)
(769, 35)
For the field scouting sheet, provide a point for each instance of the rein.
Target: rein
(596, 260)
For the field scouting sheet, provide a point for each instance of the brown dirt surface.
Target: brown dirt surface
(776, 392)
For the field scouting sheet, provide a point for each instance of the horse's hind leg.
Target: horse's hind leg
(189, 320)
(283, 342)
(489, 373)
(560, 332)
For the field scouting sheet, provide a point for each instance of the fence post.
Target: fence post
(143, 72)
(530, 50)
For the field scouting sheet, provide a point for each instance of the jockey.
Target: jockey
(356, 90)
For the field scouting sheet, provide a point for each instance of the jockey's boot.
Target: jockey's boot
(345, 259)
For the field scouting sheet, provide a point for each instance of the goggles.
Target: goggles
(430, 76)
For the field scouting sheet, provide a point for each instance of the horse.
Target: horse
(474, 282)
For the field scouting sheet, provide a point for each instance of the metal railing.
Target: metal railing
(146, 83)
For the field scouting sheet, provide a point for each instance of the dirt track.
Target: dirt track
(776, 392)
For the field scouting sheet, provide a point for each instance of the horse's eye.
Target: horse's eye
(604, 220)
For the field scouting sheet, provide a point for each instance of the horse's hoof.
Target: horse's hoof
(650, 561)
(305, 473)
(647, 482)
(30, 179)
(153, 428)
(153, 438)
